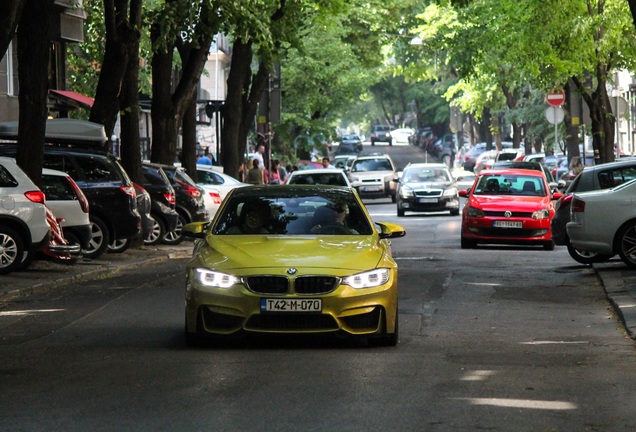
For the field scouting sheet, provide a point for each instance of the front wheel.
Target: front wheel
(586, 257)
(549, 245)
(627, 244)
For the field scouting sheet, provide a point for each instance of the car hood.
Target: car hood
(504, 202)
(232, 252)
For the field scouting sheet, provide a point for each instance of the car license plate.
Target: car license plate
(508, 224)
(371, 188)
(291, 305)
(428, 200)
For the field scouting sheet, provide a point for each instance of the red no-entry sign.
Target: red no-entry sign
(555, 98)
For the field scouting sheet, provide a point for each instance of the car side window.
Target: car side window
(61, 163)
(96, 170)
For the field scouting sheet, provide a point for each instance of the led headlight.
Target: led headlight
(369, 279)
(541, 214)
(475, 212)
(406, 192)
(215, 279)
(450, 192)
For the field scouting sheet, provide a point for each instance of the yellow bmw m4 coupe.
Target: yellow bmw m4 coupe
(292, 259)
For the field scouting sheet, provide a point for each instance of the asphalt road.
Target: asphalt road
(490, 339)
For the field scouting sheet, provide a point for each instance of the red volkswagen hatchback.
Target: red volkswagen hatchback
(508, 206)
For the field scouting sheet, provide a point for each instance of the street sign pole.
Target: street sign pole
(556, 130)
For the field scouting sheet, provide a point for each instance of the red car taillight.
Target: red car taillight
(578, 206)
(80, 195)
(35, 196)
(216, 198)
(190, 190)
(170, 198)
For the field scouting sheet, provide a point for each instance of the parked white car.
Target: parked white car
(321, 176)
(604, 222)
(211, 178)
(23, 225)
(216, 185)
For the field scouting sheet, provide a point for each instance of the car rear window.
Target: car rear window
(372, 165)
(334, 179)
(57, 188)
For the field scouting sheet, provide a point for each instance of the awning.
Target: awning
(76, 100)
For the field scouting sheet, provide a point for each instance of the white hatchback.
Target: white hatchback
(604, 222)
(23, 225)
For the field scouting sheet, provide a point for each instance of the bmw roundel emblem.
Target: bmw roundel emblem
(508, 214)
(292, 271)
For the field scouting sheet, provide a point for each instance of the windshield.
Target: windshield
(299, 214)
(422, 175)
(372, 165)
(510, 184)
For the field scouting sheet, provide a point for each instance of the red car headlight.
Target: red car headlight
(475, 212)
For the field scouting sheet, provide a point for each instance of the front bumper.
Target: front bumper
(237, 309)
(439, 204)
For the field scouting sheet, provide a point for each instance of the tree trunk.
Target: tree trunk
(168, 109)
(109, 87)
(10, 14)
(34, 40)
(603, 120)
(189, 131)
(130, 110)
(241, 103)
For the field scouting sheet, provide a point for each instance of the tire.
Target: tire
(400, 212)
(175, 237)
(157, 233)
(12, 250)
(454, 212)
(549, 245)
(119, 245)
(626, 239)
(586, 257)
(467, 244)
(99, 240)
(387, 339)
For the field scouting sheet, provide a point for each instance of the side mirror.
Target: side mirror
(463, 193)
(195, 229)
(390, 230)
(557, 195)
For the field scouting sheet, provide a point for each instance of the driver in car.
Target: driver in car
(331, 219)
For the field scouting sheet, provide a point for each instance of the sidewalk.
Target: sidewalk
(42, 276)
(619, 283)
